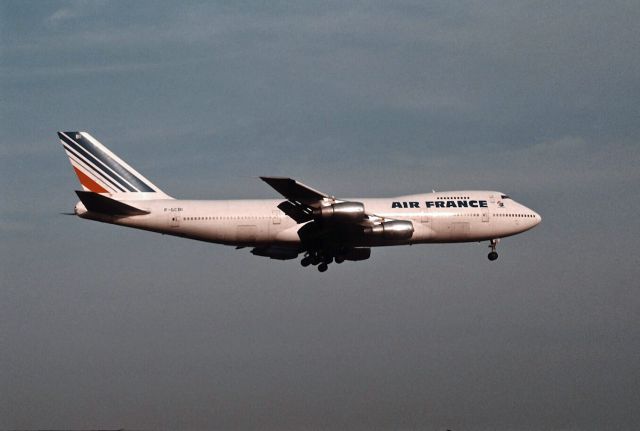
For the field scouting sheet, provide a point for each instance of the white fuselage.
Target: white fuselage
(457, 216)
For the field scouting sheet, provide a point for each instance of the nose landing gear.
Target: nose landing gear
(492, 245)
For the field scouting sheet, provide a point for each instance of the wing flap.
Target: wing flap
(297, 211)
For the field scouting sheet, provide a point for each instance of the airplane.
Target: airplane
(321, 227)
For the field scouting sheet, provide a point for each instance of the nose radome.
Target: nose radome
(538, 217)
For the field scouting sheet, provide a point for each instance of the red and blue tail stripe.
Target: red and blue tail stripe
(99, 170)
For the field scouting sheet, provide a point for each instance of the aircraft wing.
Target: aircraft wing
(294, 191)
(303, 202)
(301, 199)
(336, 227)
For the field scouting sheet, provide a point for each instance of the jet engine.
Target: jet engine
(392, 230)
(341, 212)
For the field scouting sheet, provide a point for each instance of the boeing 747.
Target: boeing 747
(321, 227)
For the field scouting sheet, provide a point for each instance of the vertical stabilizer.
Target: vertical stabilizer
(101, 171)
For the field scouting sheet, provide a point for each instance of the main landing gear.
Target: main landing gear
(319, 259)
(492, 245)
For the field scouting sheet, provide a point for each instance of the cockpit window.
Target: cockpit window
(504, 197)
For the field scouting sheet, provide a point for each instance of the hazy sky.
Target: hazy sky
(106, 327)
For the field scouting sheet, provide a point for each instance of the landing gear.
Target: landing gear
(310, 259)
(319, 258)
(315, 259)
(492, 245)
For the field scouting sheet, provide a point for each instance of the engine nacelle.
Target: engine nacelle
(392, 230)
(343, 211)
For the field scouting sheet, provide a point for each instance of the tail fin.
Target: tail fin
(101, 171)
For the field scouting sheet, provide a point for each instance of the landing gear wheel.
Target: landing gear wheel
(323, 267)
(493, 256)
(339, 259)
(306, 261)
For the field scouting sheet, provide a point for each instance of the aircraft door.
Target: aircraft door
(275, 223)
(485, 211)
(275, 217)
(174, 219)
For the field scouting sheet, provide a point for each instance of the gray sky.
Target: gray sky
(108, 327)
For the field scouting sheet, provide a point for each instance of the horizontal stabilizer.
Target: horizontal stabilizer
(104, 205)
